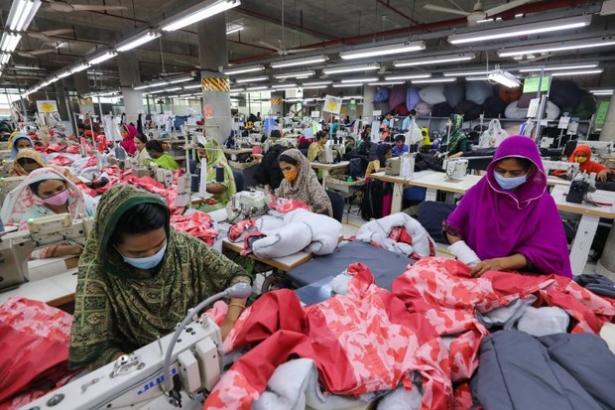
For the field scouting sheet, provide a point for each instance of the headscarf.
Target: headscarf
(128, 142)
(498, 223)
(215, 158)
(588, 166)
(22, 204)
(306, 187)
(17, 137)
(17, 170)
(116, 309)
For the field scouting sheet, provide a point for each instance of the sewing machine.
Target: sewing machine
(16, 247)
(571, 168)
(192, 356)
(246, 204)
(7, 185)
(600, 147)
(326, 156)
(393, 166)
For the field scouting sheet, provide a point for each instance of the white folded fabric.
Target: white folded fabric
(464, 253)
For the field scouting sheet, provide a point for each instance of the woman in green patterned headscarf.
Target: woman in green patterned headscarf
(138, 277)
(222, 191)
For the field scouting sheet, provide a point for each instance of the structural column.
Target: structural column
(82, 85)
(277, 103)
(606, 264)
(368, 104)
(213, 58)
(128, 67)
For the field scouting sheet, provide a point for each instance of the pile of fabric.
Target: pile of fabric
(398, 233)
(423, 336)
(197, 224)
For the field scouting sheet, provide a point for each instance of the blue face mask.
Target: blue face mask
(149, 262)
(509, 183)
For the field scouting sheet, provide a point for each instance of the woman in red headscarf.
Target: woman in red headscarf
(129, 132)
(582, 155)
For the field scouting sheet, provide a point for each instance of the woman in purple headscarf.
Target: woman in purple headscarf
(509, 219)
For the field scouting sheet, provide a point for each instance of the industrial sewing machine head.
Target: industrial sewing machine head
(393, 166)
(247, 204)
(571, 168)
(326, 156)
(16, 247)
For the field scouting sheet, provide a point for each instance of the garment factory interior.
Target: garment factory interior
(317, 204)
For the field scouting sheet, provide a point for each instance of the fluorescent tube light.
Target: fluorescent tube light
(300, 61)
(316, 83)
(62, 75)
(359, 80)
(259, 88)
(4, 58)
(137, 41)
(142, 87)
(314, 87)
(555, 47)
(386, 83)
(477, 78)
(236, 90)
(575, 73)
(435, 60)
(299, 75)
(9, 41)
(465, 73)
(171, 89)
(21, 14)
(243, 70)
(108, 55)
(347, 85)
(251, 79)
(233, 28)
(602, 91)
(284, 86)
(435, 80)
(199, 12)
(406, 77)
(192, 86)
(350, 69)
(158, 84)
(157, 91)
(558, 68)
(385, 50)
(352, 97)
(521, 30)
(80, 67)
(180, 80)
(505, 78)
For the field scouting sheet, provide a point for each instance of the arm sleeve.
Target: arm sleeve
(94, 340)
(320, 202)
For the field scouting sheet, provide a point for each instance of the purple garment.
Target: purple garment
(496, 223)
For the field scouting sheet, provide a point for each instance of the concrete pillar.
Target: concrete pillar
(277, 103)
(213, 57)
(368, 103)
(61, 100)
(82, 85)
(606, 264)
(128, 67)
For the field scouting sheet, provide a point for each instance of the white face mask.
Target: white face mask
(509, 183)
(148, 262)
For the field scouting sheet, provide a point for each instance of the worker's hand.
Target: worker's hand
(67, 250)
(211, 201)
(602, 175)
(497, 264)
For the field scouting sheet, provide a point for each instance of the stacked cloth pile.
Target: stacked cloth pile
(418, 344)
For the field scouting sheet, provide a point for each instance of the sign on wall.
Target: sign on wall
(46, 106)
(332, 104)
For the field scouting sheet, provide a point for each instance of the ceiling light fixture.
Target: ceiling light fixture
(80, 67)
(352, 97)
(236, 90)
(435, 80)
(350, 69)
(171, 89)
(192, 86)
(406, 77)
(521, 30)
(575, 73)
(233, 28)
(252, 79)
(602, 92)
(504, 78)
(198, 12)
(107, 55)
(284, 86)
(435, 60)
(300, 61)
(137, 41)
(477, 78)
(558, 67)
(243, 70)
(359, 80)
(21, 14)
(555, 47)
(299, 75)
(347, 85)
(62, 75)
(465, 73)
(386, 83)
(178, 80)
(142, 87)
(259, 88)
(314, 87)
(316, 83)
(4, 58)
(157, 92)
(9, 41)
(384, 50)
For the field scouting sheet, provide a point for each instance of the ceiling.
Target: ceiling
(339, 23)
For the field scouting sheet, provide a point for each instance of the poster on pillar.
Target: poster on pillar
(48, 114)
(216, 106)
(332, 104)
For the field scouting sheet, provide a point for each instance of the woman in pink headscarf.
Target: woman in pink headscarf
(509, 219)
(129, 132)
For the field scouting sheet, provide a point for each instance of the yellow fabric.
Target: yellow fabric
(313, 151)
(372, 166)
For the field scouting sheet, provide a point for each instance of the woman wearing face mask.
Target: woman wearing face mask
(224, 188)
(46, 192)
(300, 182)
(20, 141)
(138, 277)
(509, 219)
(583, 155)
(141, 155)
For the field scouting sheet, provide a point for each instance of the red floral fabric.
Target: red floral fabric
(197, 224)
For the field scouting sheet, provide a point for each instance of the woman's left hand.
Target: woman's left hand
(497, 264)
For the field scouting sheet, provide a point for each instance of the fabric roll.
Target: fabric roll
(432, 94)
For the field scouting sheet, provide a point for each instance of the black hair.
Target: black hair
(400, 137)
(321, 135)
(289, 160)
(140, 219)
(26, 161)
(275, 134)
(525, 163)
(154, 145)
(412, 112)
(141, 137)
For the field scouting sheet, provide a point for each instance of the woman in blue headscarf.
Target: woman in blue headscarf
(20, 141)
